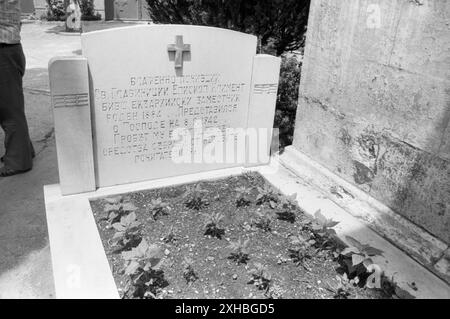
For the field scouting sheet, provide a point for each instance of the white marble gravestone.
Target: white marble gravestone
(148, 82)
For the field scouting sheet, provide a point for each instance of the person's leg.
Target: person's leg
(18, 155)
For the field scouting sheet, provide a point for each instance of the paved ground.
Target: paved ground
(25, 264)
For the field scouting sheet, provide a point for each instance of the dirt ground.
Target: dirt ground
(180, 233)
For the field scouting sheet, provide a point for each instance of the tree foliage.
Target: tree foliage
(287, 99)
(57, 10)
(279, 24)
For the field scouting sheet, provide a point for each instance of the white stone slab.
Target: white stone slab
(142, 91)
(69, 88)
(265, 78)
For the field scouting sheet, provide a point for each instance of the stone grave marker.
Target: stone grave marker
(168, 100)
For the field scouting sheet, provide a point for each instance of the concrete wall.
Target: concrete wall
(374, 103)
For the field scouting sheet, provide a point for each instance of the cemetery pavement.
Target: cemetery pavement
(25, 264)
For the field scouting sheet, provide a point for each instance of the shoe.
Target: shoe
(5, 172)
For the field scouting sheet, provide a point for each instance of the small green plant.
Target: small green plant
(239, 251)
(322, 228)
(212, 225)
(117, 207)
(275, 292)
(286, 208)
(127, 232)
(260, 277)
(170, 237)
(194, 198)
(157, 208)
(267, 195)
(344, 287)
(303, 249)
(243, 199)
(262, 220)
(249, 175)
(189, 273)
(142, 264)
(324, 225)
(143, 257)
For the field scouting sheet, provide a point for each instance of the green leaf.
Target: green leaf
(320, 217)
(357, 259)
(371, 251)
(118, 226)
(129, 219)
(367, 262)
(297, 240)
(403, 294)
(132, 267)
(128, 207)
(323, 221)
(113, 200)
(331, 232)
(350, 250)
(292, 197)
(330, 223)
(353, 242)
(111, 207)
(118, 235)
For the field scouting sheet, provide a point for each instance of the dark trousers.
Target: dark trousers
(19, 150)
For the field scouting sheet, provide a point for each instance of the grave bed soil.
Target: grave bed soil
(218, 276)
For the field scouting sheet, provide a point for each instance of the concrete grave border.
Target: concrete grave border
(81, 268)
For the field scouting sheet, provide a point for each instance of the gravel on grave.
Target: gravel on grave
(218, 276)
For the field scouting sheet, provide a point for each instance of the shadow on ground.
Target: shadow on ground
(25, 263)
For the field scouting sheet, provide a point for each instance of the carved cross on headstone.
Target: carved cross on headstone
(179, 48)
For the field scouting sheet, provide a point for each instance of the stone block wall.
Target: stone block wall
(374, 103)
